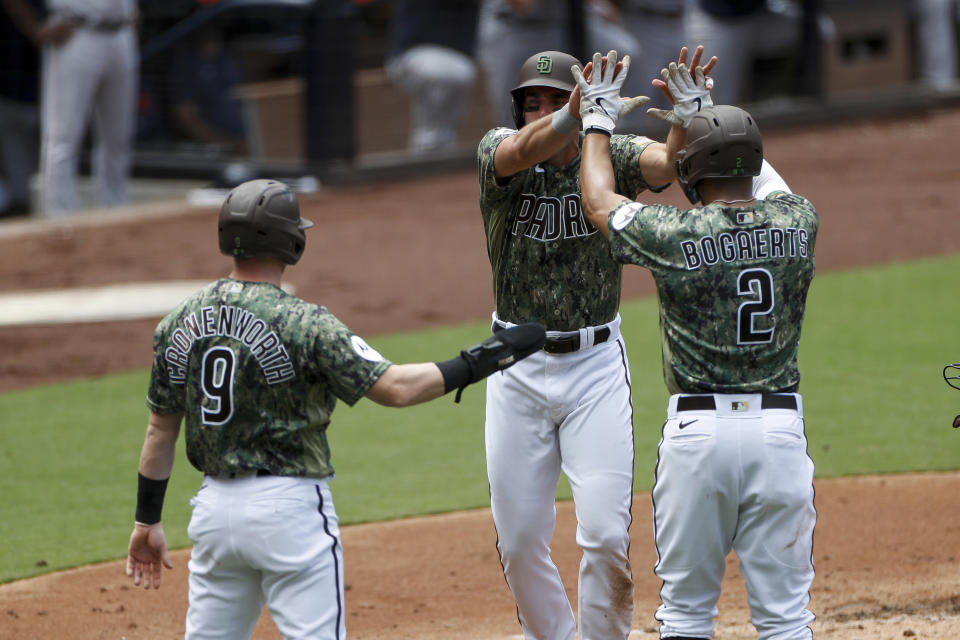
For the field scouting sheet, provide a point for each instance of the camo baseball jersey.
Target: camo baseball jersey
(732, 283)
(535, 218)
(258, 373)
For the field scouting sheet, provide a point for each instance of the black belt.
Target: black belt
(260, 473)
(706, 403)
(569, 344)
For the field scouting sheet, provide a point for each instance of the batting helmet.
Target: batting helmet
(723, 141)
(544, 69)
(261, 219)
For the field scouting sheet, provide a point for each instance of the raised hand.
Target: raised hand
(600, 102)
(689, 92)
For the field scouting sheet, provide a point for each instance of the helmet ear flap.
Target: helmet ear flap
(516, 108)
(683, 178)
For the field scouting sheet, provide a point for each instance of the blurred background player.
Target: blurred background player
(90, 77)
(431, 58)
(511, 31)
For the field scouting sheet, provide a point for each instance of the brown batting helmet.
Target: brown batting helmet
(544, 69)
(260, 219)
(723, 141)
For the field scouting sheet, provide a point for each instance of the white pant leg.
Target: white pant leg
(774, 539)
(68, 84)
(523, 468)
(937, 42)
(303, 560)
(439, 82)
(694, 521)
(114, 117)
(225, 598)
(596, 448)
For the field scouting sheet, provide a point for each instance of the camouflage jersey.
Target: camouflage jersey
(550, 265)
(258, 373)
(732, 284)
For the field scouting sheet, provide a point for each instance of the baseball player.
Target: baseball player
(566, 408)
(256, 373)
(732, 276)
(91, 75)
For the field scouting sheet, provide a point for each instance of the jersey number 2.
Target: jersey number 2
(758, 285)
(219, 365)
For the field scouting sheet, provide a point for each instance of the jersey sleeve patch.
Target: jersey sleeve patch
(364, 350)
(624, 215)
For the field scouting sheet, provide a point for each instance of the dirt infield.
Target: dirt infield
(391, 257)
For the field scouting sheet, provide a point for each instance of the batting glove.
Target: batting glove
(691, 93)
(600, 102)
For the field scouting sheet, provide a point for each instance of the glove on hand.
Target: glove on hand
(600, 102)
(690, 94)
(501, 350)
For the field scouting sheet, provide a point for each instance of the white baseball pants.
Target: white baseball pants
(736, 477)
(570, 413)
(273, 540)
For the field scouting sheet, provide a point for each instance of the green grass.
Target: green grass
(874, 345)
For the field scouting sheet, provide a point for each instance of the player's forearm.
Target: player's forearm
(676, 141)
(156, 462)
(535, 143)
(403, 385)
(658, 163)
(160, 445)
(597, 181)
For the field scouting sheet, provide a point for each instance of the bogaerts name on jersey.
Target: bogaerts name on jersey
(744, 245)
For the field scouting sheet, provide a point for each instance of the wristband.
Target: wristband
(564, 123)
(456, 373)
(597, 130)
(149, 499)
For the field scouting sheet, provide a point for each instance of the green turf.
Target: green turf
(874, 345)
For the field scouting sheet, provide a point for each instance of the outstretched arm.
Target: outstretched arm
(402, 385)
